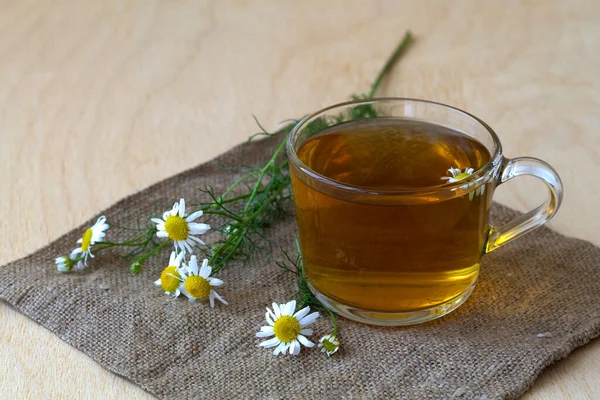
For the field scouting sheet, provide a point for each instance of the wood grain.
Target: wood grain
(100, 99)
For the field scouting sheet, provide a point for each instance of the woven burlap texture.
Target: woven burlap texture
(543, 283)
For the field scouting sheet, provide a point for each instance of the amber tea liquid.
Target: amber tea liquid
(386, 256)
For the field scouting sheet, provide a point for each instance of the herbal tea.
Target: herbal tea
(387, 256)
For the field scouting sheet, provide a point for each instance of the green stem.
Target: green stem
(264, 171)
(243, 178)
(406, 40)
(130, 243)
(265, 204)
(334, 318)
(236, 245)
(108, 245)
(223, 214)
(217, 253)
(152, 252)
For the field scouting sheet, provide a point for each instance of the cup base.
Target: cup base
(384, 318)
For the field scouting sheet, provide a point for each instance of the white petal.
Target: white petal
(183, 272)
(306, 332)
(194, 216)
(264, 334)
(162, 234)
(97, 236)
(305, 341)
(198, 229)
(302, 313)
(166, 215)
(271, 313)
(309, 319)
(183, 291)
(211, 299)
(205, 270)
(215, 281)
(178, 259)
(192, 265)
(276, 310)
(289, 308)
(471, 195)
(157, 283)
(182, 207)
(187, 246)
(222, 300)
(281, 348)
(267, 329)
(295, 348)
(157, 220)
(269, 319)
(270, 343)
(195, 239)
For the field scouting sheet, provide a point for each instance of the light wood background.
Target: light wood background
(101, 98)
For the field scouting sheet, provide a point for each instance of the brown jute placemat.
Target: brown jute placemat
(544, 283)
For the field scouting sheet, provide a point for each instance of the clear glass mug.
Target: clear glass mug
(426, 267)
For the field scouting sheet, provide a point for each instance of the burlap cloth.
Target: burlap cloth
(487, 349)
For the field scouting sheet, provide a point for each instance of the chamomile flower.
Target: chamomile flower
(288, 329)
(329, 344)
(180, 228)
(458, 175)
(170, 279)
(92, 235)
(64, 264)
(197, 284)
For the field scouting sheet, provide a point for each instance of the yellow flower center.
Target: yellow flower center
(286, 328)
(86, 240)
(176, 227)
(197, 287)
(462, 175)
(168, 279)
(328, 345)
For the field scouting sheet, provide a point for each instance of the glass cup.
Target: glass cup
(402, 257)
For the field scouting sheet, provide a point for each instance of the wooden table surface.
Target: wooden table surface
(100, 99)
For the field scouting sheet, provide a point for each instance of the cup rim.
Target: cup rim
(475, 179)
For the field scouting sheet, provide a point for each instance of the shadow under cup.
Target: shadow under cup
(401, 257)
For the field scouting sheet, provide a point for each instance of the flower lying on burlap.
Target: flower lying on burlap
(197, 284)
(288, 328)
(329, 344)
(458, 175)
(180, 228)
(170, 279)
(64, 264)
(92, 235)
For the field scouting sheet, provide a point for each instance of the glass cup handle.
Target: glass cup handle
(497, 236)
